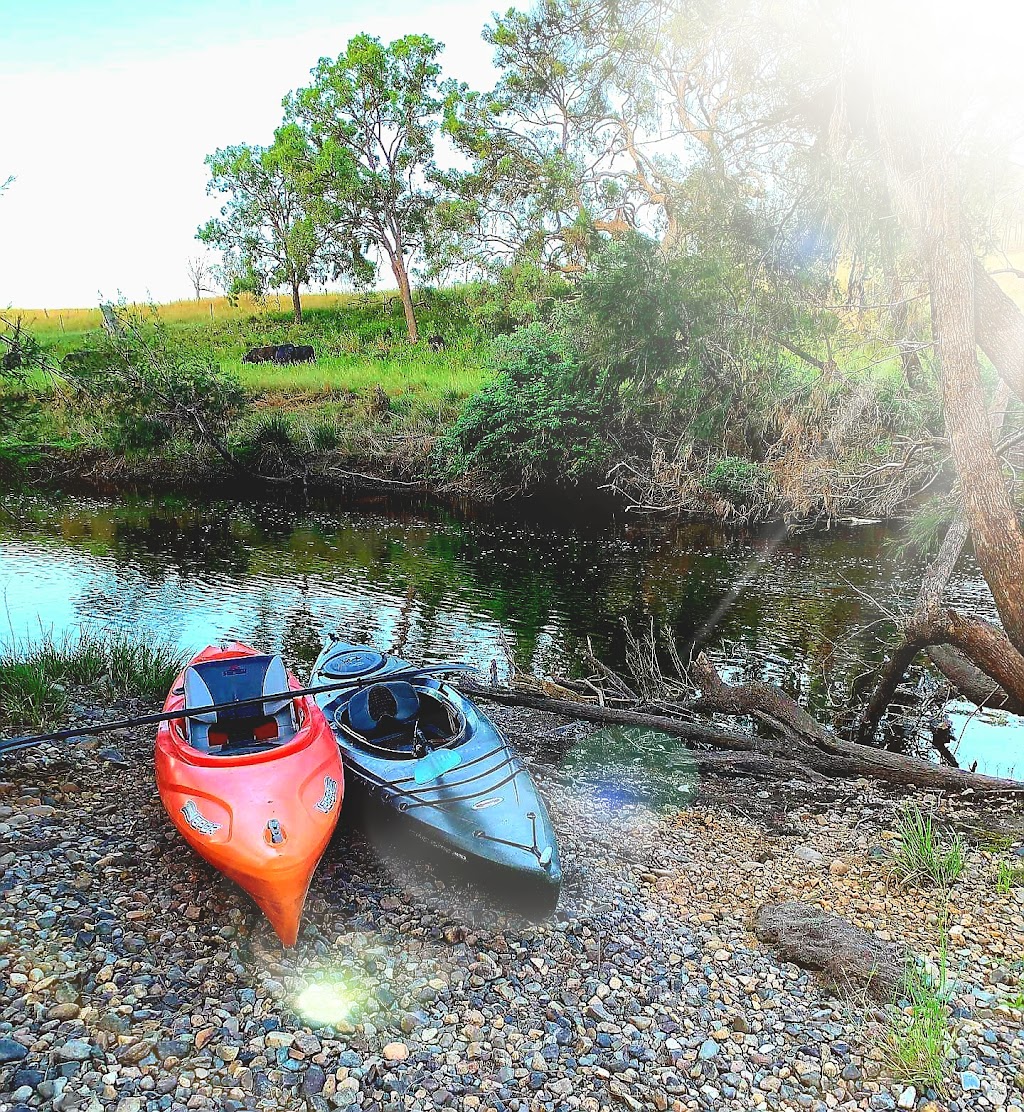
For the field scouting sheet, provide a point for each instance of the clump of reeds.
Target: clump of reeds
(35, 676)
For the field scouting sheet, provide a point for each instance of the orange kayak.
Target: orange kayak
(256, 790)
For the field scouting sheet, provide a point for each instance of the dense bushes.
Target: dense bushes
(147, 388)
(544, 419)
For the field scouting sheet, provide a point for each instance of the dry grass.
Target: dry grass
(43, 321)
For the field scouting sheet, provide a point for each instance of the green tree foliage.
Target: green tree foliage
(372, 117)
(541, 187)
(275, 226)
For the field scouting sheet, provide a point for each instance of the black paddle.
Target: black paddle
(14, 744)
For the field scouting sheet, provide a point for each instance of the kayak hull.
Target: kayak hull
(262, 819)
(483, 819)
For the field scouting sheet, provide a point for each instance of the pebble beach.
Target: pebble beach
(132, 977)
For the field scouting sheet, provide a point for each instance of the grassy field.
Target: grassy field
(370, 400)
(359, 339)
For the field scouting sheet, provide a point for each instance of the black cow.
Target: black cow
(303, 353)
(437, 343)
(284, 354)
(260, 355)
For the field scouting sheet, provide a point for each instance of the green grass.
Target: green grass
(360, 341)
(917, 1042)
(923, 853)
(30, 696)
(425, 377)
(34, 677)
(1008, 876)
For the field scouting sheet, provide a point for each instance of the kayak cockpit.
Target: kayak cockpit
(400, 721)
(250, 727)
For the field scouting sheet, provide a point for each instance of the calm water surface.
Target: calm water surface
(439, 584)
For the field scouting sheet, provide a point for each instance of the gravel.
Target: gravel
(133, 978)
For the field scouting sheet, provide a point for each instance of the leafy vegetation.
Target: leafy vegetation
(917, 1042)
(276, 221)
(1008, 877)
(146, 389)
(748, 318)
(542, 421)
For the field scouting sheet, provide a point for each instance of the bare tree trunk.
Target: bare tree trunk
(296, 303)
(999, 325)
(405, 289)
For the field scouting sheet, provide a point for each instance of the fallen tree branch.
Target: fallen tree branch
(806, 748)
(970, 681)
(840, 756)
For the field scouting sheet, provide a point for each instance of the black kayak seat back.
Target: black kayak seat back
(229, 680)
(382, 707)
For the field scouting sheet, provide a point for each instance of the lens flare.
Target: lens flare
(326, 1003)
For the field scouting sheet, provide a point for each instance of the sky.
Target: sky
(110, 107)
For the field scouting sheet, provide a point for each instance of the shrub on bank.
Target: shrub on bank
(543, 420)
(741, 481)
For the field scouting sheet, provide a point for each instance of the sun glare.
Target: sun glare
(326, 1003)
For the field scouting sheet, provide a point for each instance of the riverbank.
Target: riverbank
(481, 408)
(135, 978)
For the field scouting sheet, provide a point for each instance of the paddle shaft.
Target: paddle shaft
(15, 743)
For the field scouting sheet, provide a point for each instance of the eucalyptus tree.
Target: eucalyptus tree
(372, 117)
(275, 224)
(543, 143)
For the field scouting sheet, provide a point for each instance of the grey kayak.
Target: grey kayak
(435, 769)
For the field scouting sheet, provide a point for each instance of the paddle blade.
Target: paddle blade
(436, 764)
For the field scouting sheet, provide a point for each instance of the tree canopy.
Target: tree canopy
(276, 223)
(371, 117)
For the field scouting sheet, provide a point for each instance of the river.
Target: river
(446, 583)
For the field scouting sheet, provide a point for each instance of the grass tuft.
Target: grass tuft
(34, 676)
(30, 696)
(1008, 876)
(924, 854)
(917, 1043)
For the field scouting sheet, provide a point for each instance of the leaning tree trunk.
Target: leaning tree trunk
(995, 530)
(918, 148)
(999, 325)
(925, 624)
(405, 289)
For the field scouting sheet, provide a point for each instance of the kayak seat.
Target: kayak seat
(247, 728)
(383, 708)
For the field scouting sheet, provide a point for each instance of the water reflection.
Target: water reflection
(437, 585)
